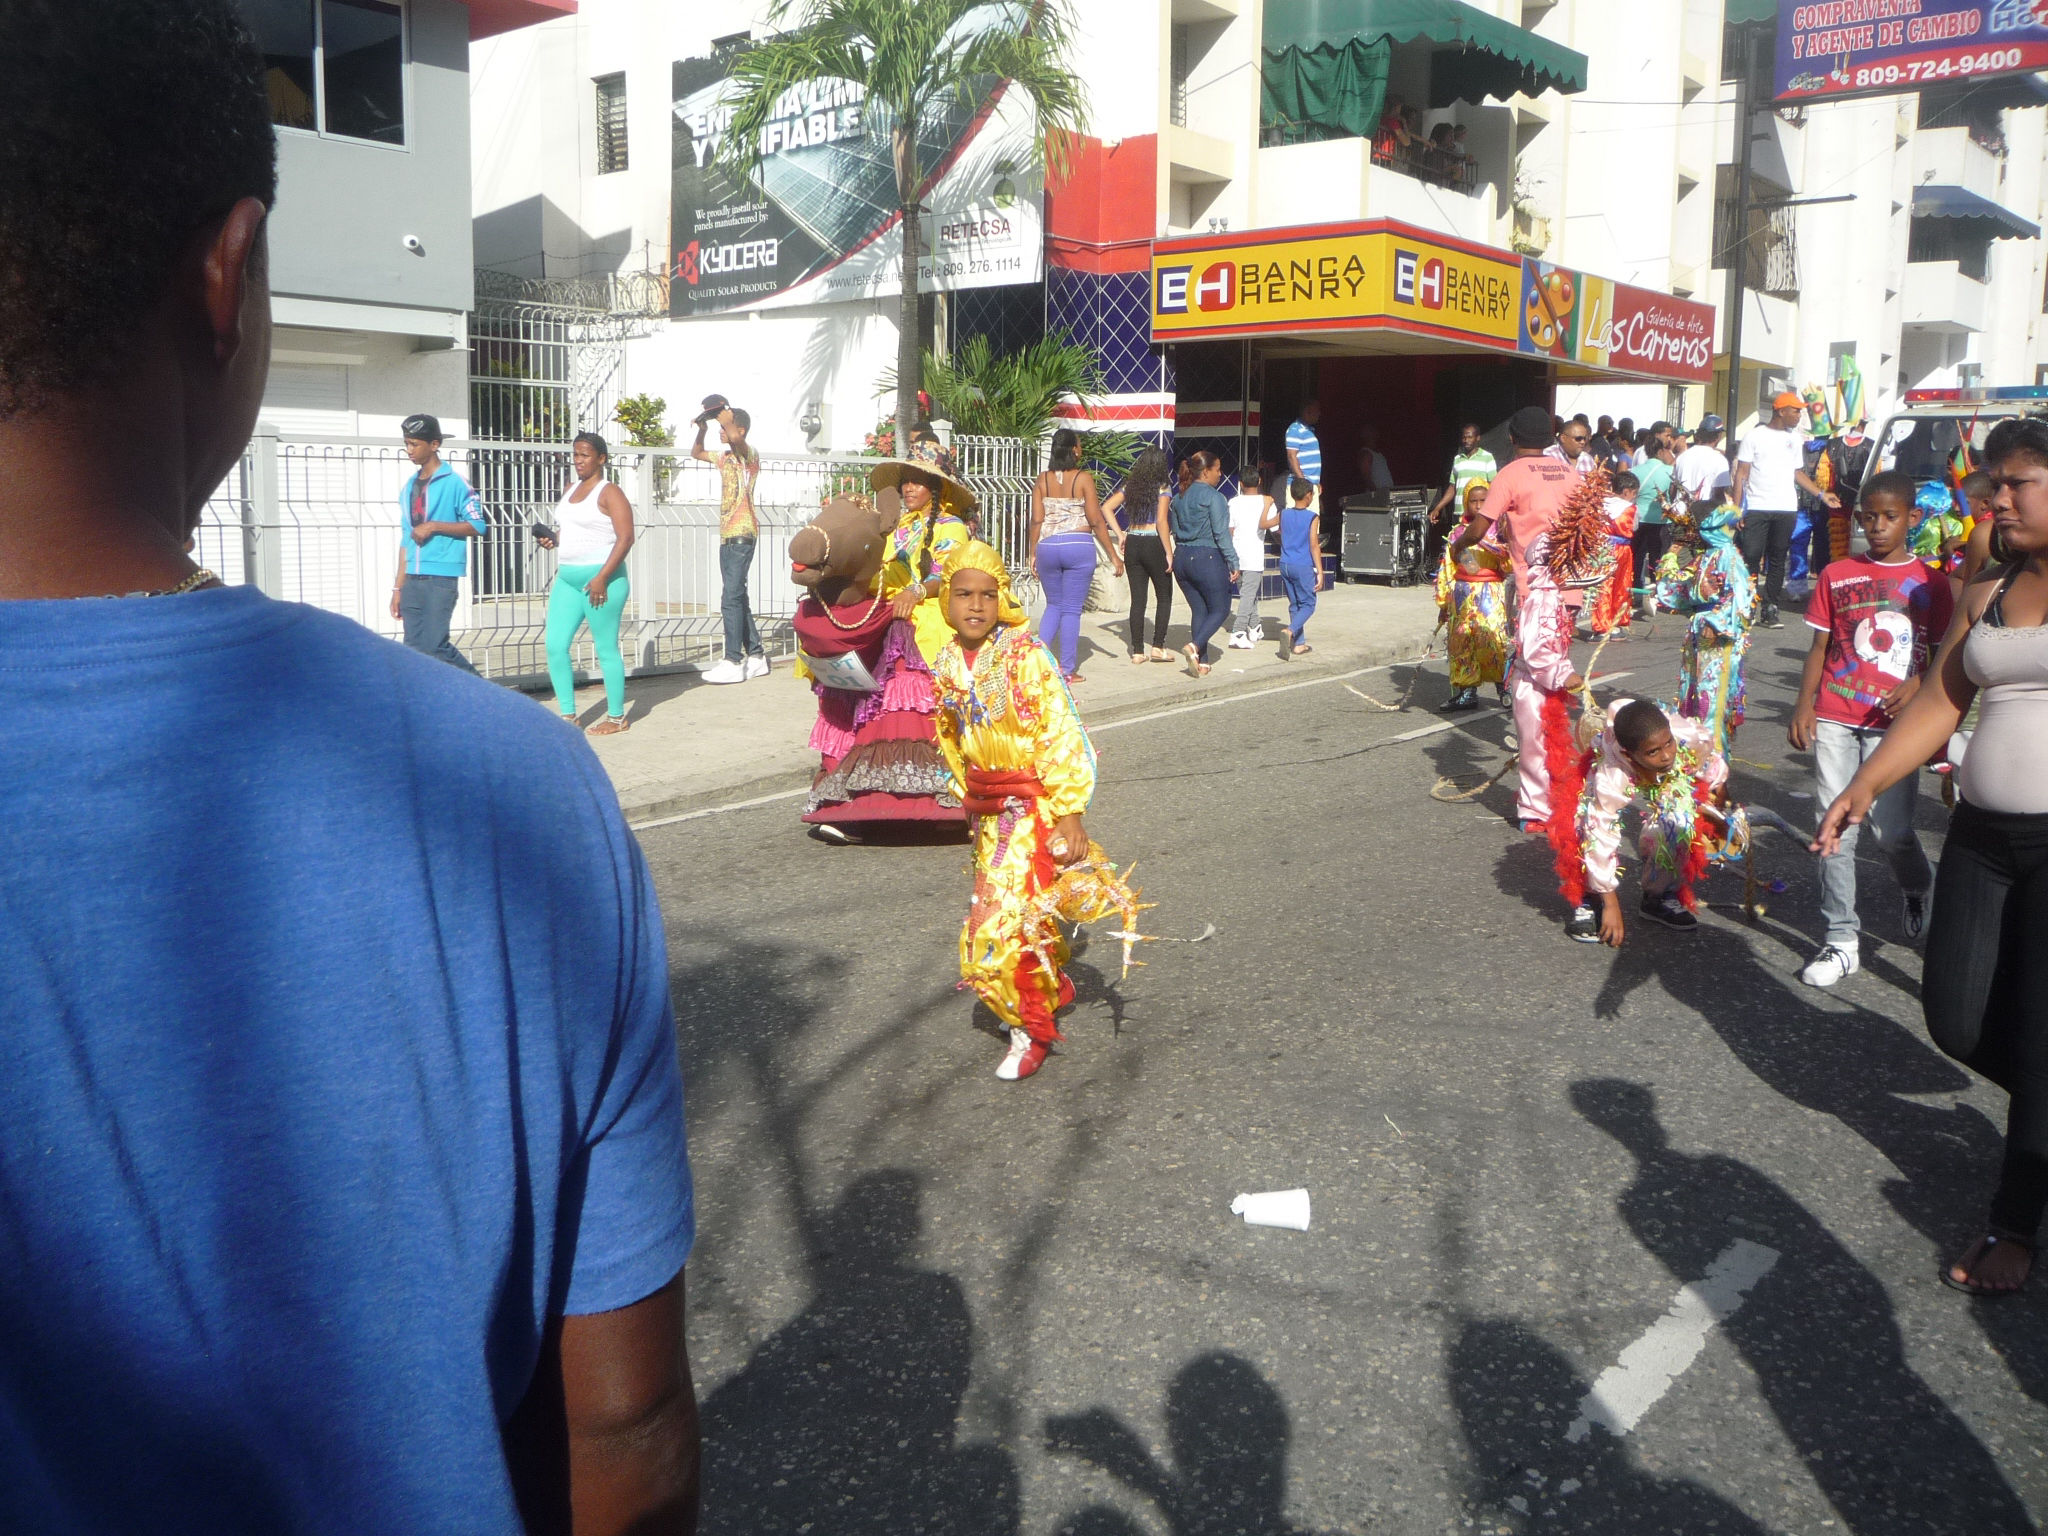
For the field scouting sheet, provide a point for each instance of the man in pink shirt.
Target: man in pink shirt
(1530, 490)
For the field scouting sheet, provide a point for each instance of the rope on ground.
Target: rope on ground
(1446, 788)
(1392, 709)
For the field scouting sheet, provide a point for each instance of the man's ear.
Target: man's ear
(232, 262)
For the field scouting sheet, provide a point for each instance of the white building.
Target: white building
(1912, 243)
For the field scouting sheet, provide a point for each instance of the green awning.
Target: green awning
(1477, 55)
(1739, 13)
(1323, 93)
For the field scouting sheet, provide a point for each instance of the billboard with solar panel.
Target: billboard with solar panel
(818, 222)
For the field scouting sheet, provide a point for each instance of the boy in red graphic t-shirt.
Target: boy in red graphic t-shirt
(1877, 619)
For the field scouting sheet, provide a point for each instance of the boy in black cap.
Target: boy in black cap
(439, 515)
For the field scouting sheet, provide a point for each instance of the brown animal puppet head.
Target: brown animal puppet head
(839, 553)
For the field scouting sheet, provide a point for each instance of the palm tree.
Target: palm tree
(1018, 394)
(916, 60)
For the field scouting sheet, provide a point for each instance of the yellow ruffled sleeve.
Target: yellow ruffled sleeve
(1062, 755)
(949, 675)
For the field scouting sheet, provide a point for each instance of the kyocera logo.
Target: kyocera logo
(1417, 281)
(1214, 288)
(747, 256)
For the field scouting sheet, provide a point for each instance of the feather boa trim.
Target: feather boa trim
(1568, 766)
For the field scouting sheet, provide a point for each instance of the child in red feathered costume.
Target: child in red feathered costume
(1670, 765)
(1574, 554)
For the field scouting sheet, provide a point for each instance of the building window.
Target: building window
(333, 66)
(611, 123)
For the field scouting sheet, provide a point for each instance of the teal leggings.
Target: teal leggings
(568, 611)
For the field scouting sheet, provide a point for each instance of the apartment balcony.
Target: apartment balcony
(1342, 180)
(1954, 157)
(1940, 296)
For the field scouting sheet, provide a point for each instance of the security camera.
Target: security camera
(412, 243)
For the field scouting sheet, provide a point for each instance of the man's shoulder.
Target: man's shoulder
(327, 665)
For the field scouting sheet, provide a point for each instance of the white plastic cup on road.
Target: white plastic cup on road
(1275, 1208)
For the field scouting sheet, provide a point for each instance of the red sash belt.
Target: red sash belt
(988, 788)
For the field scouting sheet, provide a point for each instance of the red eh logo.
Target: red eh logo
(1429, 284)
(1216, 288)
(687, 263)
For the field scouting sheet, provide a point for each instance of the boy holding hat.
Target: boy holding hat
(1770, 472)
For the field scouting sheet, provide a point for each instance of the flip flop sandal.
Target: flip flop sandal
(1971, 1287)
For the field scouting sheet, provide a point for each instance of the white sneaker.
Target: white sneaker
(1830, 966)
(726, 672)
(757, 666)
(1240, 641)
(1019, 1044)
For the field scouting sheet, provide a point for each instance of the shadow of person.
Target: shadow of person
(1228, 1433)
(1857, 1065)
(845, 1421)
(1817, 1331)
(1515, 1395)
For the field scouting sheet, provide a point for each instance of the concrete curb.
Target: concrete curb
(660, 803)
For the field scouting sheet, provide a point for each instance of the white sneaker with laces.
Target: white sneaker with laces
(1240, 641)
(757, 666)
(1830, 966)
(727, 671)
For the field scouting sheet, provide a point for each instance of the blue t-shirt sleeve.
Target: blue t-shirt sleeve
(637, 1218)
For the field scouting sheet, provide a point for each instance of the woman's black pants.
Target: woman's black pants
(1984, 985)
(1145, 569)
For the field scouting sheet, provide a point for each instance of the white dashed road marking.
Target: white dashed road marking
(1630, 1387)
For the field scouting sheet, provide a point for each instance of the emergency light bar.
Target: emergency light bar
(1976, 396)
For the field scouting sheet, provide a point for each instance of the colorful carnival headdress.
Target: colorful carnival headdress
(1717, 528)
(974, 555)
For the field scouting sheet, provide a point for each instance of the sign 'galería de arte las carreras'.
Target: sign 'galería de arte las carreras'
(1862, 47)
(1382, 275)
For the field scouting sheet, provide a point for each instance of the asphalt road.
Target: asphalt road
(924, 1300)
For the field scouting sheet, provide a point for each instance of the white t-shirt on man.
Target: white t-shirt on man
(1701, 471)
(1245, 512)
(1772, 454)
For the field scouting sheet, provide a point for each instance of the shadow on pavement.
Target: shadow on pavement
(1514, 1396)
(845, 1420)
(1858, 1066)
(1818, 1332)
(1227, 1432)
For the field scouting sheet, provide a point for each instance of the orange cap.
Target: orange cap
(1787, 401)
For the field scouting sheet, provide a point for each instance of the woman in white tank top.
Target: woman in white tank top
(1984, 983)
(593, 530)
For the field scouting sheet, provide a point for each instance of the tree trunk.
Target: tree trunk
(909, 355)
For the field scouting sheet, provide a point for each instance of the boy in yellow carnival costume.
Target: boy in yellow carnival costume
(1025, 772)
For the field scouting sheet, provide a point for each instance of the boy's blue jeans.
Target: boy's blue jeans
(735, 560)
(1838, 751)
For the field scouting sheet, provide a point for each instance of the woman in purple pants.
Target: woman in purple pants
(1066, 527)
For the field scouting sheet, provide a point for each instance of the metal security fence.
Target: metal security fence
(317, 520)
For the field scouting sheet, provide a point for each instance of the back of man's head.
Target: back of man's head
(126, 126)
(1531, 427)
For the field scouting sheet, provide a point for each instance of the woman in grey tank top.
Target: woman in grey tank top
(1984, 982)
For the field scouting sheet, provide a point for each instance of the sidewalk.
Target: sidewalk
(693, 745)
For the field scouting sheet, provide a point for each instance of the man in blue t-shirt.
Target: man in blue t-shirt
(438, 515)
(341, 1134)
(1304, 450)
